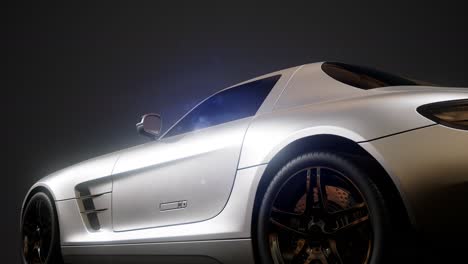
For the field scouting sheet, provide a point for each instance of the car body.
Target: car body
(191, 197)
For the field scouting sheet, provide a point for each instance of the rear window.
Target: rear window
(363, 77)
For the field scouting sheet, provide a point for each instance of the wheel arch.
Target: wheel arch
(344, 147)
(43, 188)
(38, 187)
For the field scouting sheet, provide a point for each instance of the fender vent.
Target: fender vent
(93, 204)
(89, 210)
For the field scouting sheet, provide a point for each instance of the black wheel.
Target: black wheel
(321, 208)
(39, 232)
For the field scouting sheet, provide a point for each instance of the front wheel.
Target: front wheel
(39, 232)
(321, 208)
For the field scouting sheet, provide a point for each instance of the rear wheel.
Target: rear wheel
(39, 231)
(321, 208)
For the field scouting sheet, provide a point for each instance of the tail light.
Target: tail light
(450, 113)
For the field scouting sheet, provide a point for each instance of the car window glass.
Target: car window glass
(364, 77)
(234, 103)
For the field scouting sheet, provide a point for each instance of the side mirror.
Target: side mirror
(150, 125)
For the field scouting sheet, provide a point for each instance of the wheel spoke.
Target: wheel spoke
(287, 229)
(355, 223)
(321, 191)
(358, 210)
(309, 193)
(39, 254)
(38, 211)
(283, 215)
(275, 249)
(301, 245)
(287, 221)
(28, 228)
(332, 254)
(37, 231)
(348, 218)
(332, 205)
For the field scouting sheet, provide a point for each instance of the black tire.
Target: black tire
(40, 238)
(378, 213)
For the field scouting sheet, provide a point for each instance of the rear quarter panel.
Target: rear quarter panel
(359, 118)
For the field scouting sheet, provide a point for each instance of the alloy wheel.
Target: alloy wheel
(37, 231)
(319, 216)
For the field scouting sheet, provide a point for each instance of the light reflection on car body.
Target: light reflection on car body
(219, 167)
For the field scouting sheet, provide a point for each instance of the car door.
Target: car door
(188, 174)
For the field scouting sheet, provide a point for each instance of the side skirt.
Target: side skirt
(192, 252)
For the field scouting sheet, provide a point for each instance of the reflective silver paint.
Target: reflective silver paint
(234, 221)
(217, 170)
(174, 169)
(432, 173)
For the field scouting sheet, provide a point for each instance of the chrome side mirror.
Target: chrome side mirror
(150, 125)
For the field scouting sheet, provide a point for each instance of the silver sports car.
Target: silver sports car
(321, 163)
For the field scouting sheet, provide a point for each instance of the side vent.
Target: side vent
(94, 199)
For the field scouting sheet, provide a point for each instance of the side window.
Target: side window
(363, 77)
(235, 103)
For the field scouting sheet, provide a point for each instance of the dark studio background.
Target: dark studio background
(78, 77)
